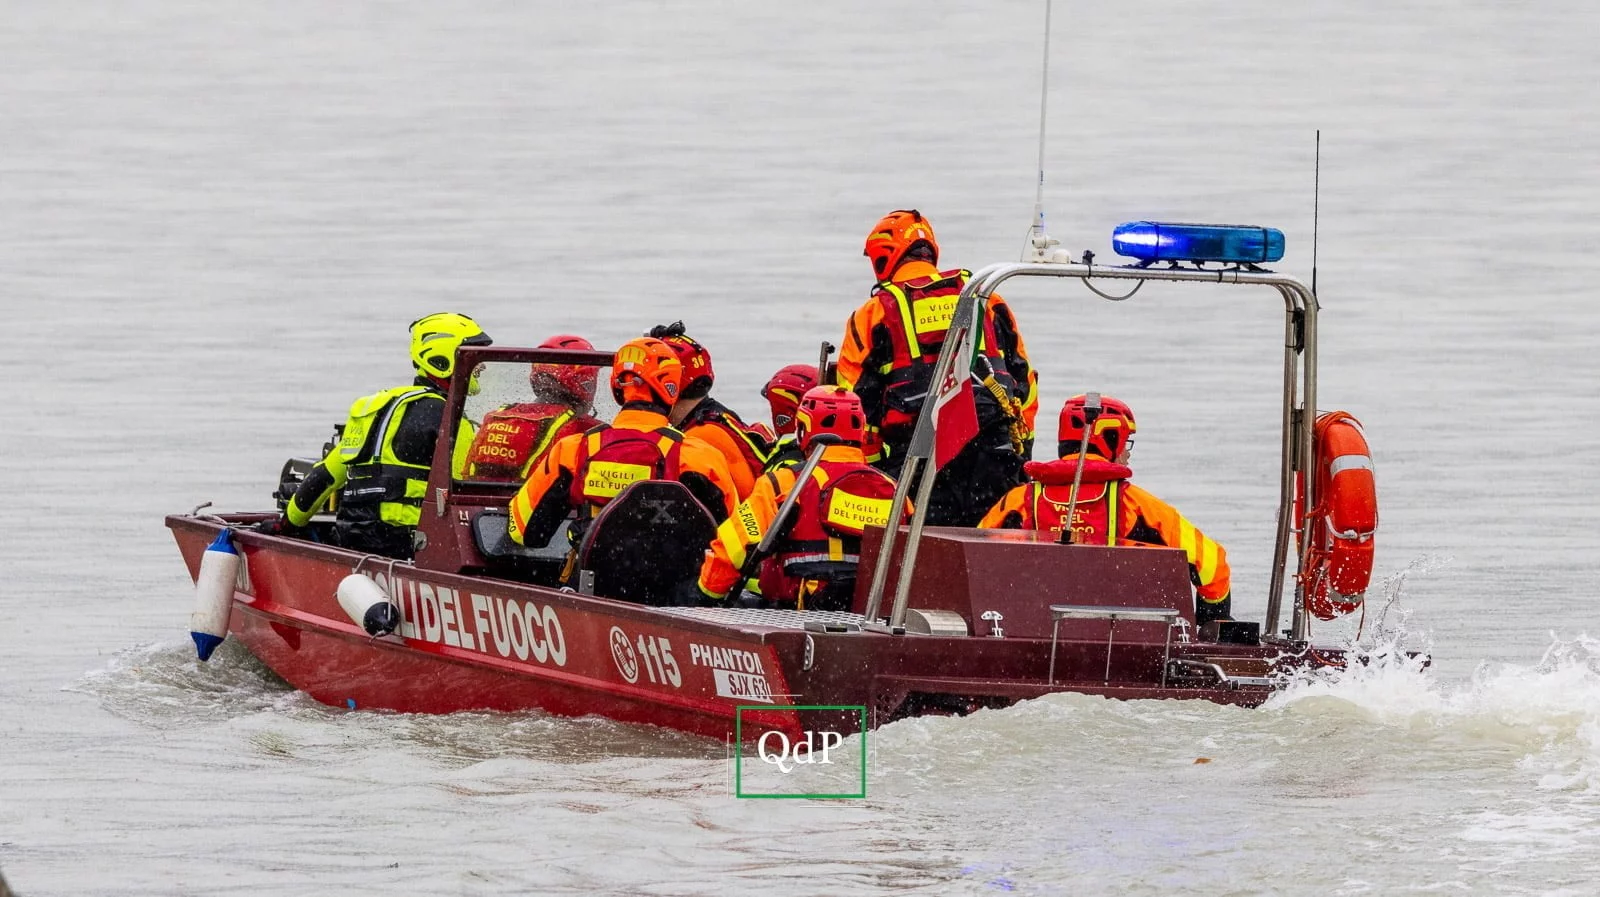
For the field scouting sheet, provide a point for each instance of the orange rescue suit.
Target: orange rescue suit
(892, 340)
(823, 541)
(717, 426)
(579, 472)
(1108, 504)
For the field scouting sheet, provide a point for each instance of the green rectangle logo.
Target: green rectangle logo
(815, 762)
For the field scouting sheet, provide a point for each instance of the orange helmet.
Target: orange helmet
(697, 373)
(646, 370)
(894, 237)
(784, 391)
(1113, 429)
(570, 384)
(830, 409)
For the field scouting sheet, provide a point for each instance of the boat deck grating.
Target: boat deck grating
(773, 618)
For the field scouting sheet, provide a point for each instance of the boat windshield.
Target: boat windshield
(518, 410)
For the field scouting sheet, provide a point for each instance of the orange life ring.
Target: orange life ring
(1341, 525)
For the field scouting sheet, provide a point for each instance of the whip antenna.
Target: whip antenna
(1038, 242)
(1316, 198)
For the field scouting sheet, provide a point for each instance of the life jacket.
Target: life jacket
(380, 486)
(752, 447)
(839, 501)
(917, 314)
(512, 438)
(785, 451)
(610, 459)
(1096, 518)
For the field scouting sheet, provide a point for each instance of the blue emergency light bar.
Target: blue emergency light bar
(1150, 241)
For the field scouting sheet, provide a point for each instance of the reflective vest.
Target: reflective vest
(838, 502)
(785, 452)
(752, 447)
(1094, 519)
(514, 437)
(610, 459)
(380, 484)
(917, 314)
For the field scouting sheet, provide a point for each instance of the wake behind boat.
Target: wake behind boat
(975, 618)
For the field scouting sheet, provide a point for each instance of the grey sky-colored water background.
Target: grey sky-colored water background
(216, 220)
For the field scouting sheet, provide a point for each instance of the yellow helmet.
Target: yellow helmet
(435, 339)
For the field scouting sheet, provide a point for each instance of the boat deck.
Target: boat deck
(815, 620)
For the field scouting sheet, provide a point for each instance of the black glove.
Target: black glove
(688, 594)
(278, 526)
(752, 600)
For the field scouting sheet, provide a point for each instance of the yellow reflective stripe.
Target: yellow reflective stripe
(1194, 546)
(1186, 539)
(820, 476)
(385, 453)
(835, 549)
(906, 320)
(398, 514)
(549, 437)
(1111, 512)
(1208, 561)
(749, 443)
(521, 509)
(462, 449)
(1032, 399)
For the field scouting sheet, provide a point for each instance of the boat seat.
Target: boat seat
(491, 532)
(645, 542)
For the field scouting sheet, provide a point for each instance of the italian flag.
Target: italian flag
(955, 411)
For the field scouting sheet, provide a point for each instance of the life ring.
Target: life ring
(1338, 565)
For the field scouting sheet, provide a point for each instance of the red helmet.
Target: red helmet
(569, 384)
(783, 393)
(894, 237)
(646, 370)
(1113, 429)
(830, 409)
(697, 373)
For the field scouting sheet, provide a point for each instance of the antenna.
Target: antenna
(1316, 197)
(1044, 109)
(1039, 242)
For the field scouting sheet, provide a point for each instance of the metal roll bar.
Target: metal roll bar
(1299, 415)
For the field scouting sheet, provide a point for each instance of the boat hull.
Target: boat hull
(482, 643)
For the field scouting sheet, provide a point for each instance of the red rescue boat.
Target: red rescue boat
(984, 619)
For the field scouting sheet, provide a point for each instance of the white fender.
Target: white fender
(213, 594)
(368, 606)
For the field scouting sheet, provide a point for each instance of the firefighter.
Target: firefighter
(584, 471)
(380, 464)
(890, 347)
(697, 414)
(813, 564)
(1110, 510)
(512, 438)
(783, 392)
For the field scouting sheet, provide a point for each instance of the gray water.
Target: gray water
(217, 219)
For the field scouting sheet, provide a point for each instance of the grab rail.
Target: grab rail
(1059, 612)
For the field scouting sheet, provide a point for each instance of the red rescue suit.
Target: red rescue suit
(512, 438)
(820, 549)
(1112, 511)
